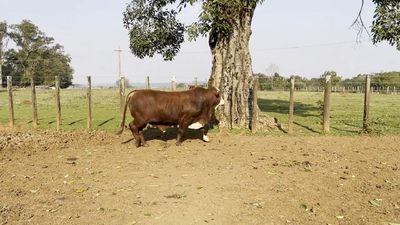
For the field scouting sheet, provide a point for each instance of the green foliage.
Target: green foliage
(386, 79)
(335, 80)
(3, 35)
(3, 43)
(127, 83)
(300, 82)
(36, 55)
(375, 126)
(269, 83)
(386, 23)
(181, 85)
(357, 81)
(378, 80)
(153, 29)
(320, 107)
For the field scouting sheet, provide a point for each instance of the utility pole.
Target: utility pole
(121, 83)
(119, 61)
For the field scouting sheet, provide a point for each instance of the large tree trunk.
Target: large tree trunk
(232, 73)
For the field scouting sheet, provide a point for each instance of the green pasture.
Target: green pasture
(346, 111)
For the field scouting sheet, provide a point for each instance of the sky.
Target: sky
(299, 37)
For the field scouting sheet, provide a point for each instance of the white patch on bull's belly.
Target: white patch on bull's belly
(205, 138)
(196, 126)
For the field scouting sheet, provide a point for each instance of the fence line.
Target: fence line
(58, 104)
(327, 104)
(291, 105)
(340, 89)
(89, 102)
(10, 101)
(254, 100)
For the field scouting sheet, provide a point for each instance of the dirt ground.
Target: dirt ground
(97, 177)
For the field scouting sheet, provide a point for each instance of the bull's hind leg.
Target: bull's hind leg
(135, 133)
(142, 140)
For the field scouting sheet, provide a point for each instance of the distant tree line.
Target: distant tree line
(35, 56)
(378, 80)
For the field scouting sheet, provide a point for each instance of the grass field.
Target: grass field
(346, 110)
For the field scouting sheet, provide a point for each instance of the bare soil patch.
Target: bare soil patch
(97, 177)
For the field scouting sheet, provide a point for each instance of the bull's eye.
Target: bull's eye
(217, 95)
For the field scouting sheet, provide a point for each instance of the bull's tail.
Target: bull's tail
(128, 100)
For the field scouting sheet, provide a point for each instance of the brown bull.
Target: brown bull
(189, 109)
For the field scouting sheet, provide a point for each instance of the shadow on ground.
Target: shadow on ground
(282, 107)
(170, 134)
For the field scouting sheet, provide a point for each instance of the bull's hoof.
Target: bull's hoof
(206, 139)
(145, 145)
(178, 143)
(137, 144)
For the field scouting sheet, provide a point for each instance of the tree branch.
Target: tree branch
(359, 25)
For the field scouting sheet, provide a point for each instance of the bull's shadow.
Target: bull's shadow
(150, 134)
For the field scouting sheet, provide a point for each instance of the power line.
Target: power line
(304, 46)
(292, 47)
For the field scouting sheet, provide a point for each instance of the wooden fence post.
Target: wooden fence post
(366, 102)
(195, 82)
(89, 102)
(122, 95)
(10, 101)
(254, 118)
(327, 103)
(291, 105)
(147, 82)
(58, 104)
(34, 103)
(173, 83)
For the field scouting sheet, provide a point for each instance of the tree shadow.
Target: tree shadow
(282, 107)
(104, 122)
(31, 121)
(74, 122)
(346, 130)
(308, 128)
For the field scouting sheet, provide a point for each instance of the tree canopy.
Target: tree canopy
(154, 28)
(35, 55)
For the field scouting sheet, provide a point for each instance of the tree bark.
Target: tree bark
(232, 73)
